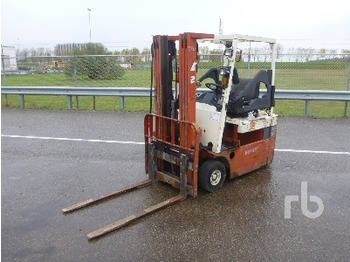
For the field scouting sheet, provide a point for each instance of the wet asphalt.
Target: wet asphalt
(244, 221)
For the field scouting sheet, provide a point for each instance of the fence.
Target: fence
(307, 71)
(298, 71)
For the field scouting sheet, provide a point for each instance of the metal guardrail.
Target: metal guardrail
(122, 92)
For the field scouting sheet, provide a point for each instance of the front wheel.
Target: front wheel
(212, 174)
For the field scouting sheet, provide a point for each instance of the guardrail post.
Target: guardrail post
(122, 103)
(70, 103)
(307, 107)
(21, 101)
(346, 103)
(7, 100)
(77, 101)
(345, 109)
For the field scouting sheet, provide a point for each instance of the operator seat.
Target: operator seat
(213, 97)
(244, 96)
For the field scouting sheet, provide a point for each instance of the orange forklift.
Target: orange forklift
(198, 139)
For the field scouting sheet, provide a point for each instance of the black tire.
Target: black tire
(212, 175)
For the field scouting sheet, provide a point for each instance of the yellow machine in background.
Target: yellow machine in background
(56, 64)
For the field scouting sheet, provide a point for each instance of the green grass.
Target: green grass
(320, 109)
(37, 80)
(311, 75)
(321, 79)
(137, 78)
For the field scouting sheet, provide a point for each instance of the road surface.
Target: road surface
(52, 159)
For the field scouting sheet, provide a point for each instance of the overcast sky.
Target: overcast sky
(34, 23)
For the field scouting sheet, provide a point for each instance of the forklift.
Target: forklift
(199, 139)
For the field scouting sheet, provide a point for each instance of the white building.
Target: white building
(8, 58)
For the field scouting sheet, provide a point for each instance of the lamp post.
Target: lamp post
(89, 9)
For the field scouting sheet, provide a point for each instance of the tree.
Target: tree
(92, 49)
(131, 55)
(345, 54)
(204, 51)
(146, 54)
(24, 53)
(92, 62)
(146, 51)
(279, 49)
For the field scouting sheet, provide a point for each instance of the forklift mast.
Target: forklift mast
(171, 136)
(164, 52)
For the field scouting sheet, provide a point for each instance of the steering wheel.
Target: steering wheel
(212, 86)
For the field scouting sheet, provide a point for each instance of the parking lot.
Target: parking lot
(52, 159)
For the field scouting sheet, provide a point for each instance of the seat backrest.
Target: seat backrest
(249, 88)
(239, 87)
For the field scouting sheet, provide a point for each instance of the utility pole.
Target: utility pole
(220, 33)
(220, 28)
(89, 9)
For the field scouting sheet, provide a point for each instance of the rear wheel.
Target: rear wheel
(212, 174)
